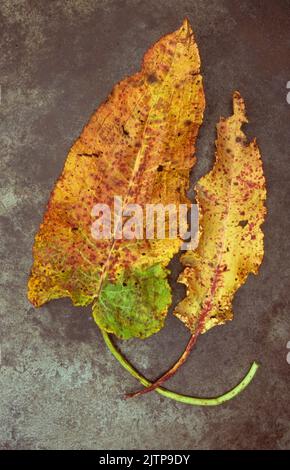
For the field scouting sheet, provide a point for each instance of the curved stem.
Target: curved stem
(170, 372)
(176, 396)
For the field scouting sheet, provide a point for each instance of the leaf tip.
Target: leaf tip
(186, 27)
(239, 107)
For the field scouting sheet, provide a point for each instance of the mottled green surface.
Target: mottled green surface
(136, 305)
(59, 385)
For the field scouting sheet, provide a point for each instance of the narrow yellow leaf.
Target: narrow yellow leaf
(231, 206)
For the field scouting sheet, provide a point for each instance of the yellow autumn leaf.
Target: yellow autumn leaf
(231, 207)
(139, 145)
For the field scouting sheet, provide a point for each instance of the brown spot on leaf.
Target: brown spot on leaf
(152, 78)
(242, 223)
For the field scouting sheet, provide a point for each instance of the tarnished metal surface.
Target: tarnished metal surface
(59, 386)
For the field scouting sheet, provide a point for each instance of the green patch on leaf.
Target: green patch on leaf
(136, 305)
